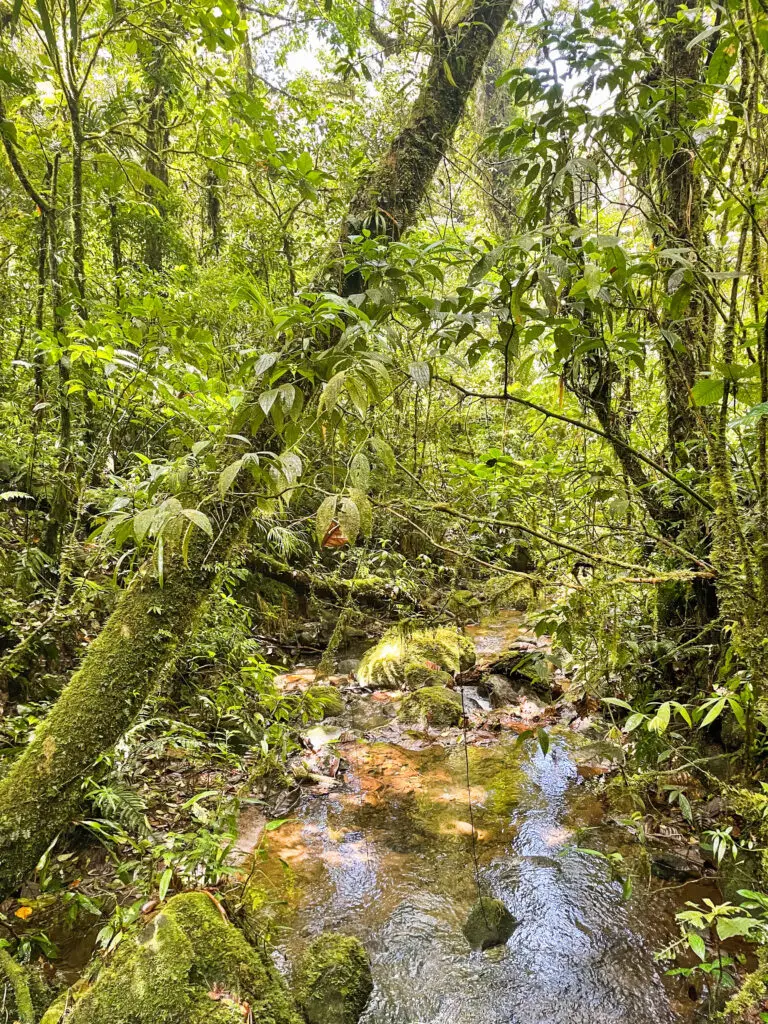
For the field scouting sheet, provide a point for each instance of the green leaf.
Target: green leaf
(593, 280)
(165, 883)
(634, 721)
(615, 702)
(421, 373)
(708, 391)
(727, 927)
(713, 712)
(543, 737)
(267, 399)
(142, 523)
(360, 471)
(200, 519)
(276, 823)
(326, 513)
(697, 945)
(227, 476)
(331, 392)
(349, 518)
(548, 291)
(365, 508)
(449, 73)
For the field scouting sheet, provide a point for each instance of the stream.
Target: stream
(384, 850)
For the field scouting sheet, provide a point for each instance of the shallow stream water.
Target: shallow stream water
(387, 855)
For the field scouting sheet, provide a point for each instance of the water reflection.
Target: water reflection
(388, 859)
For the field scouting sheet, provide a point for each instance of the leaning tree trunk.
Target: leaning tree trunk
(42, 790)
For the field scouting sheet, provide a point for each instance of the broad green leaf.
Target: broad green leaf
(326, 514)
(421, 373)
(713, 712)
(142, 523)
(200, 519)
(331, 392)
(227, 476)
(697, 945)
(708, 391)
(360, 471)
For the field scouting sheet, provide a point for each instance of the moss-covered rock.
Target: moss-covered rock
(489, 924)
(445, 649)
(188, 966)
(326, 699)
(333, 980)
(431, 705)
(418, 673)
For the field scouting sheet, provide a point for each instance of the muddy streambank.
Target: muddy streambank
(390, 841)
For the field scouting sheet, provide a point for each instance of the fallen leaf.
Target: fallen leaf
(24, 913)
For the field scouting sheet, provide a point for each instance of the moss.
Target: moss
(385, 664)
(39, 795)
(16, 997)
(489, 924)
(432, 705)
(417, 674)
(753, 991)
(333, 981)
(167, 975)
(327, 698)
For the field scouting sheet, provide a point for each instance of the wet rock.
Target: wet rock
(333, 980)
(431, 705)
(489, 924)
(498, 690)
(527, 663)
(444, 649)
(347, 666)
(677, 867)
(167, 975)
(324, 702)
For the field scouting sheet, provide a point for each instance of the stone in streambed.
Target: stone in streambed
(489, 924)
(498, 690)
(431, 705)
(333, 980)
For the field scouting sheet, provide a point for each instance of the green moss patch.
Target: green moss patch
(411, 659)
(489, 924)
(333, 981)
(188, 966)
(431, 705)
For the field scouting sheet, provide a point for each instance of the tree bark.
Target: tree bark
(41, 792)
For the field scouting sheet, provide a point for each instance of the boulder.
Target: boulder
(489, 924)
(431, 705)
(188, 966)
(418, 674)
(498, 690)
(333, 980)
(444, 649)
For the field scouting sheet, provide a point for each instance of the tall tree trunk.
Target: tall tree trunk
(41, 791)
(156, 165)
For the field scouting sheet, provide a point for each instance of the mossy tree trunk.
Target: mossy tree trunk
(41, 793)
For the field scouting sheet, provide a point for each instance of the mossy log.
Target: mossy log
(188, 966)
(40, 794)
(370, 590)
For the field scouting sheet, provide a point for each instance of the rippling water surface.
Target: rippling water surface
(389, 858)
